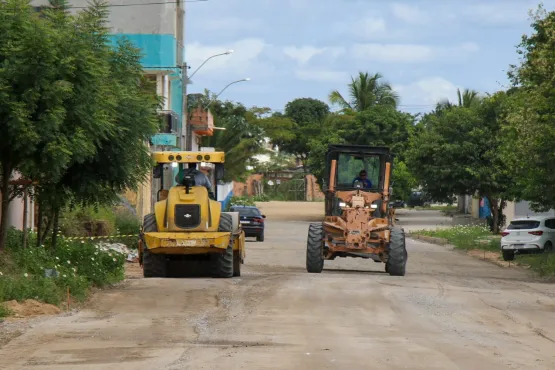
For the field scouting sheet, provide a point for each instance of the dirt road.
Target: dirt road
(449, 312)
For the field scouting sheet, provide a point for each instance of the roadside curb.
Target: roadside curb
(429, 239)
(474, 253)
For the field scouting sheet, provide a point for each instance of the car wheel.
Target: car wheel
(548, 247)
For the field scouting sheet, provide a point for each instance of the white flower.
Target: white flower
(115, 260)
(82, 242)
(95, 253)
(64, 275)
(92, 258)
(110, 254)
(26, 274)
(1, 274)
(68, 262)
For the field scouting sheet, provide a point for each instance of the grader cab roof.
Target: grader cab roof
(188, 157)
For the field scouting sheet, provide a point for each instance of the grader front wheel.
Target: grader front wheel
(315, 249)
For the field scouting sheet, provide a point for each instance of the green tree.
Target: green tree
(302, 120)
(467, 98)
(458, 152)
(530, 119)
(33, 93)
(241, 140)
(366, 91)
(79, 112)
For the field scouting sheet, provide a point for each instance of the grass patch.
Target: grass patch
(466, 237)
(480, 238)
(4, 311)
(543, 264)
(44, 273)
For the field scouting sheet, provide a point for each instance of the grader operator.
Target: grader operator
(358, 221)
(188, 224)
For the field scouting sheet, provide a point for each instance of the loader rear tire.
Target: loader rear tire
(223, 262)
(397, 260)
(154, 265)
(315, 249)
(236, 263)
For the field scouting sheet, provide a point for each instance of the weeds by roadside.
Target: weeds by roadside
(480, 238)
(44, 274)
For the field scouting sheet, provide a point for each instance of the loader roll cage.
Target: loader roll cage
(180, 158)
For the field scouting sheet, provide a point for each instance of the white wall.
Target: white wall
(145, 18)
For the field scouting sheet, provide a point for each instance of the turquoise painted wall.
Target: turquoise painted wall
(158, 50)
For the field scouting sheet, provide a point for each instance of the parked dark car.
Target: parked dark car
(252, 221)
(398, 204)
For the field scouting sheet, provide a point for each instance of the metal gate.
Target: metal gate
(289, 190)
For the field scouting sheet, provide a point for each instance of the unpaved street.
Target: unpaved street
(449, 312)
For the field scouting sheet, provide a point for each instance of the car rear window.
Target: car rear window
(248, 212)
(525, 224)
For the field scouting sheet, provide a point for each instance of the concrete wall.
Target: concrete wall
(134, 17)
(522, 209)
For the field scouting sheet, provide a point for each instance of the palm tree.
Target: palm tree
(364, 92)
(467, 98)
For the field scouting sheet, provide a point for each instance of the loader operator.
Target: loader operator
(363, 177)
(200, 177)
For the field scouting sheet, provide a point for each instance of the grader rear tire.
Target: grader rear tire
(223, 262)
(397, 260)
(315, 249)
(154, 265)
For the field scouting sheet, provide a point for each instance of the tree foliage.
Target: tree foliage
(73, 113)
(365, 92)
(458, 152)
(530, 122)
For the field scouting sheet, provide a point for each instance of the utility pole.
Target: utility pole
(183, 142)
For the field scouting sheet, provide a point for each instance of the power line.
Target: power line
(142, 4)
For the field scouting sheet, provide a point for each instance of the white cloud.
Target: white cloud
(412, 53)
(498, 13)
(426, 92)
(321, 75)
(409, 14)
(232, 24)
(303, 54)
(243, 62)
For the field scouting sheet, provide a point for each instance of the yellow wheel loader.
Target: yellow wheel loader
(188, 224)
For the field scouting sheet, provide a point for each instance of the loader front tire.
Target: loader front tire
(154, 265)
(397, 259)
(223, 262)
(315, 249)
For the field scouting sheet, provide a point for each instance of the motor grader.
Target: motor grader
(358, 221)
(188, 224)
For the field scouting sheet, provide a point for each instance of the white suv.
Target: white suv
(528, 235)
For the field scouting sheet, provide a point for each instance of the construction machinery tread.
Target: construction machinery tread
(154, 265)
(397, 259)
(314, 249)
(223, 262)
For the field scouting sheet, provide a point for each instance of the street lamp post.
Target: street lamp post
(222, 90)
(185, 142)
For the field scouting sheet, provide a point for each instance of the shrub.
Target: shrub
(45, 273)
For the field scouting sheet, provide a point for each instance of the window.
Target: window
(246, 212)
(523, 225)
(550, 223)
(349, 167)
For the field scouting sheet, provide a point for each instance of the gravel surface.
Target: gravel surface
(450, 311)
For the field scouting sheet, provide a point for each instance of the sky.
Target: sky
(425, 49)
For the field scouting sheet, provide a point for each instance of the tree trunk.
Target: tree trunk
(56, 224)
(39, 224)
(6, 175)
(495, 210)
(25, 210)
